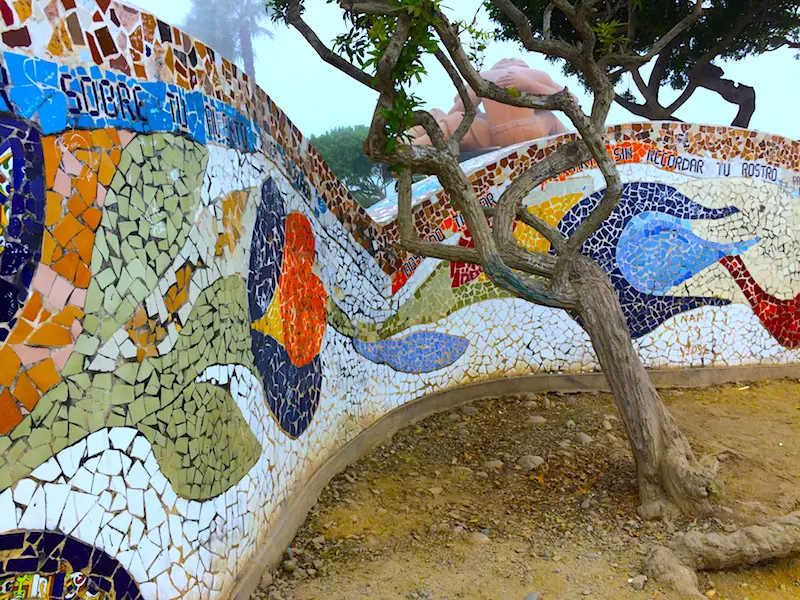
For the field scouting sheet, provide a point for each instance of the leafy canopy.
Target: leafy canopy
(729, 29)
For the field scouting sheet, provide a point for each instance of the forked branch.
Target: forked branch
(628, 61)
(565, 157)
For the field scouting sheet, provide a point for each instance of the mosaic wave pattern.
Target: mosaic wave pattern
(195, 314)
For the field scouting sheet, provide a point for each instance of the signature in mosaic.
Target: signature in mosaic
(62, 98)
(49, 565)
(288, 311)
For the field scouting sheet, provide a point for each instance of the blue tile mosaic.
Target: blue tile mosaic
(62, 97)
(22, 198)
(51, 565)
(644, 310)
(657, 252)
(419, 352)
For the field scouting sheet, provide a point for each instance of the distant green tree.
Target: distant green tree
(341, 147)
(728, 30)
(229, 27)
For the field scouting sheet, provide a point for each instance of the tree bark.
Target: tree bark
(674, 565)
(669, 477)
(246, 45)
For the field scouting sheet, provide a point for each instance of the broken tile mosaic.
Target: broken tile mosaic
(196, 314)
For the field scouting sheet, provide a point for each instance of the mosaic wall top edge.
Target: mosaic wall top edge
(205, 94)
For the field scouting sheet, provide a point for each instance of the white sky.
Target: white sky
(316, 97)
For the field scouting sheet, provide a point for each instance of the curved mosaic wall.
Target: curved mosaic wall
(195, 314)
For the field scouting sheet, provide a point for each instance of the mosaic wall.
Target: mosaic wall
(195, 314)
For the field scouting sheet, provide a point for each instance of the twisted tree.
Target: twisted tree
(384, 49)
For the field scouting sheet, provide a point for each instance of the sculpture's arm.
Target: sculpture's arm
(529, 81)
(458, 103)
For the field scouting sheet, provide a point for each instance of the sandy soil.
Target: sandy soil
(405, 521)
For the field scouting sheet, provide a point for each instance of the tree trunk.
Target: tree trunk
(246, 45)
(667, 472)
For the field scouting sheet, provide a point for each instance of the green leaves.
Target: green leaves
(400, 117)
(475, 40)
(366, 42)
(608, 34)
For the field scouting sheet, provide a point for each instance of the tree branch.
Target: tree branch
(630, 60)
(659, 68)
(470, 110)
(432, 128)
(565, 157)
(595, 76)
(596, 145)
(546, 46)
(372, 7)
(743, 96)
(488, 89)
(647, 110)
(410, 240)
(294, 18)
(388, 60)
(642, 86)
(578, 20)
(546, 21)
(681, 100)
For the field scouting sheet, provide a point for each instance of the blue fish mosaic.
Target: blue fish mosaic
(645, 309)
(657, 252)
(420, 352)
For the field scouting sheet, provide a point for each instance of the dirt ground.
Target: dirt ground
(446, 511)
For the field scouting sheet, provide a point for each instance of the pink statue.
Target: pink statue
(500, 124)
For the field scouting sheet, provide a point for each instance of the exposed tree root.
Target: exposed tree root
(683, 485)
(676, 564)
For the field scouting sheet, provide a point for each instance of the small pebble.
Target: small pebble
(476, 537)
(530, 462)
(638, 582)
